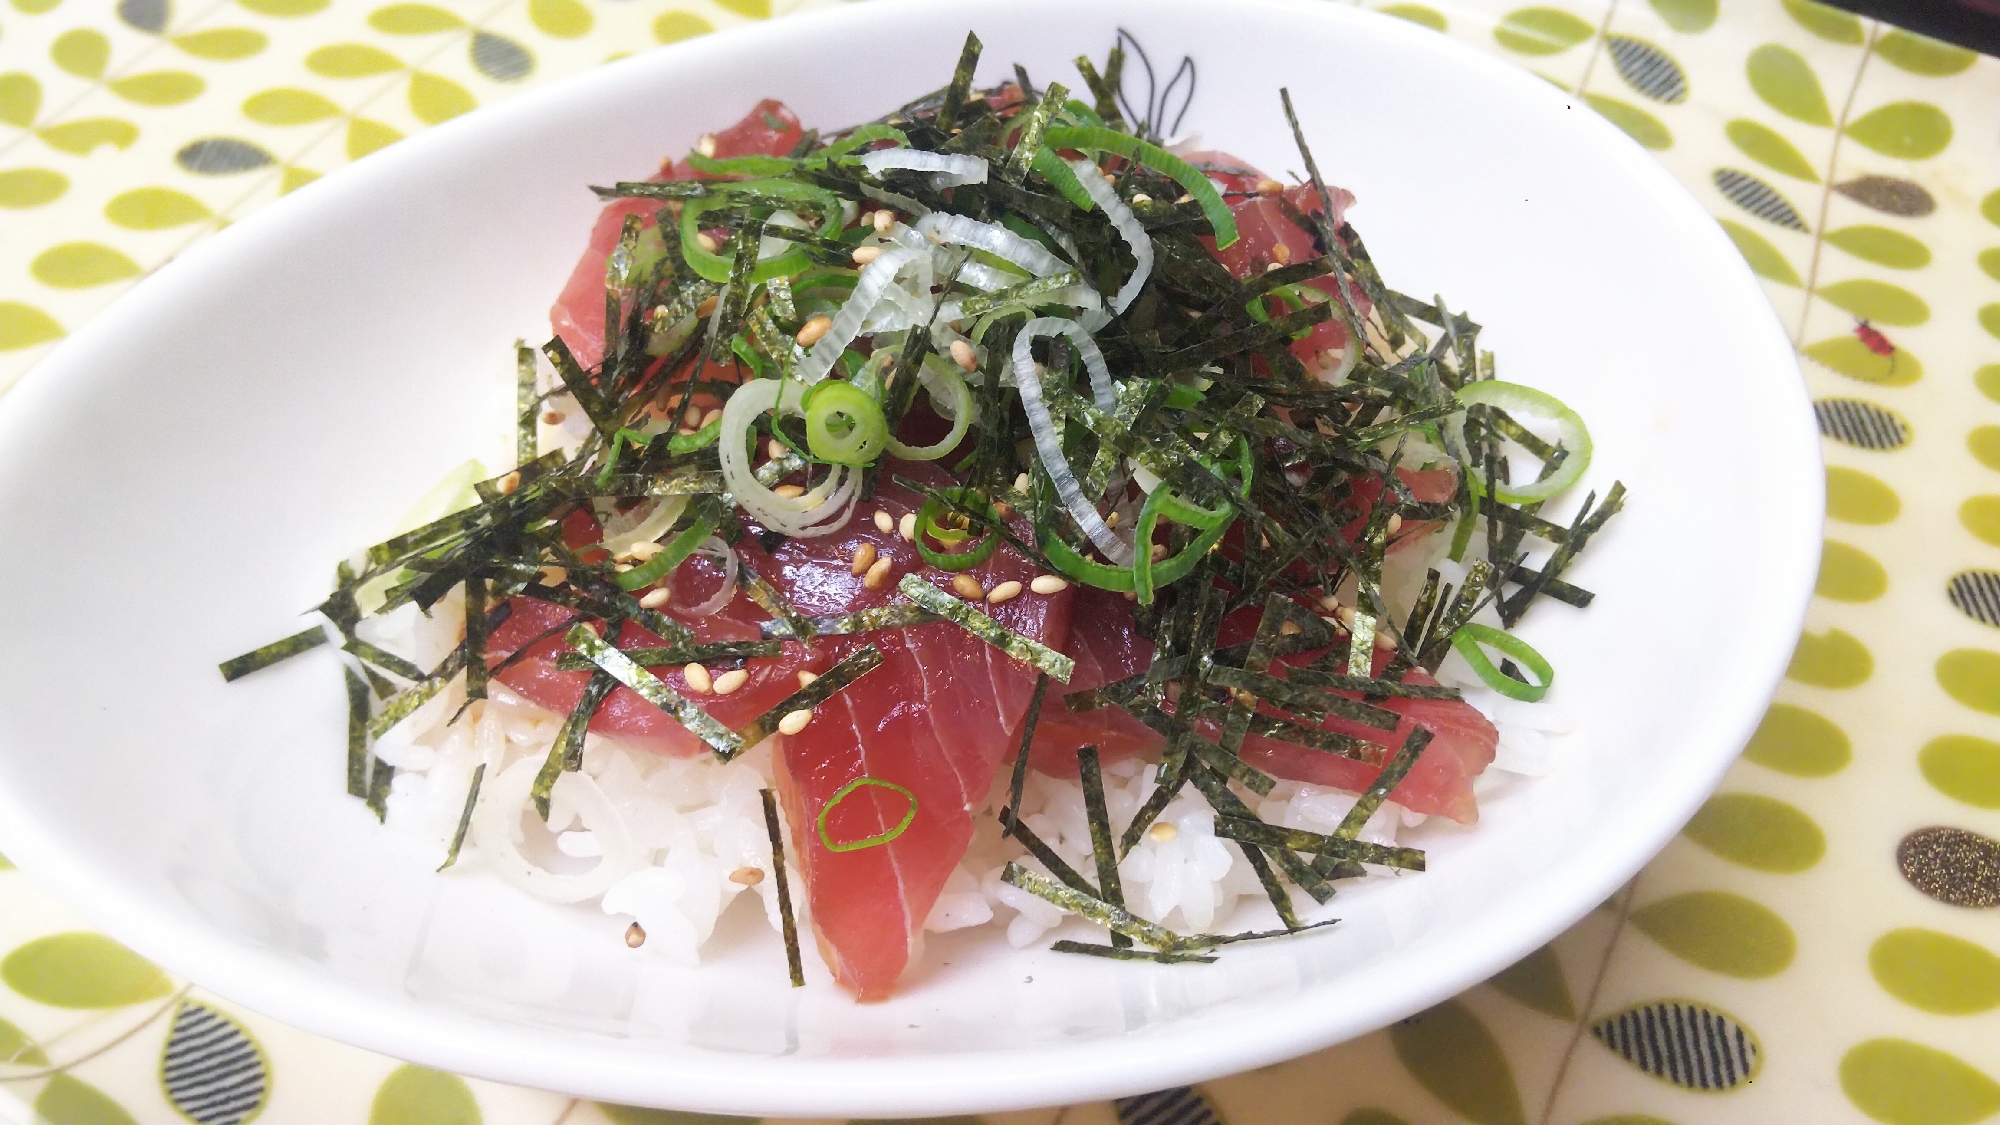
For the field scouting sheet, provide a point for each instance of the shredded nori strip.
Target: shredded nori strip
(794, 961)
(255, 660)
(380, 774)
(677, 655)
(404, 705)
(1115, 919)
(850, 668)
(527, 402)
(381, 658)
(1029, 652)
(566, 752)
(1029, 723)
(357, 735)
(1039, 848)
(1127, 953)
(1110, 888)
(464, 817)
(1313, 843)
(860, 621)
(725, 742)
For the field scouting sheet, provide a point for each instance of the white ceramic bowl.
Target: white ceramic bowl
(176, 479)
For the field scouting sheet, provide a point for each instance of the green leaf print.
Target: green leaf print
(1832, 659)
(160, 87)
(561, 19)
(82, 52)
(1799, 742)
(71, 1101)
(1719, 931)
(1850, 574)
(1764, 258)
(414, 1095)
(1850, 357)
(82, 970)
(288, 106)
(20, 98)
(1768, 147)
(1688, 16)
(1939, 973)
(155, 208)
(1537, 981)
(1877, 302)
(17, 1049)
(24, 326)
(1828, 23)
(1882, 246)
(635, 1115)
(222, 44)
(672, 27)
(78, 138)
(1541, 31)
(1451, 1054)
(748, 9)
(81, 265)
(365, 136)
(1898, 1082)
(1637, 123)
(1758, 832)
(1904, 130)
(1920, 54)
(351, 60)
(413, 19)
(1418, 14)
(1786, 82)
(22, 188)
(434, 98)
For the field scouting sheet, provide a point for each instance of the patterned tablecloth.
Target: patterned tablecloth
(1818, 945)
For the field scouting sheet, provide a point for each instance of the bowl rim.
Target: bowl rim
(718, 1081)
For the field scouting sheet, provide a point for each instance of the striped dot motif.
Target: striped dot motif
(211, 1070)
(1976, 594)
(1758, 198)
(1861, 424)
(1182, 1105)
(1648, 69)
(1687, 1044)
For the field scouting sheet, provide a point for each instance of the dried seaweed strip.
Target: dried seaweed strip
(794, 962)
(1553, 587)
(1376, 688)
(357, 734)
(1029, 723)
(1091, 776)
(1213, 941)
(464, 817)
(1034, 124)
(1039, 848)
(1312, 738)
(677, 655)
(1471, 595)
(1096, 910)
(1165, 790)
(1587, 524)
(1029, 652)
(527, 404)
(418, 694)
(381, 658)
(851, 667)
(1314, 843)
(1300, 699)
(256, 660)
(380, 774)
(1385, 782)
(476, 670)
(960, 87)
(1227, 803)
(725, 742)
(769, 600)
(1274, 889)
(1127, 953)
(860, 621)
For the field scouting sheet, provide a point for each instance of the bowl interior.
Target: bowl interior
(181, 474)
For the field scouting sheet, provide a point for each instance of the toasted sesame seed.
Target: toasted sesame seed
(883, 220)
(1384, 641)
(553, 418)
(706, 308)
(907, 526)
(812, 330)
(706, 145)
(966, 586)
(864, 557)
(1269, 187)
(806, 678)
(656, 598)
(747, 876)
(553, 576)
(1346, 615)
(884, 522)
(621, 567)
(707, 242)
(1289, 629)
(1159, 551)
(775, 448)
(794, 721)
(645, 551)
(1328, 602)
(789, 491)
(729, 681)
(1184, 199)
(878, 575)
(635, 935)
(1162, 832)
(1272, 266)
(1048, 584)
(698, 679)
(1281, 253)
(1111, 520)
(1395, 522)
(1021, 483)
(962, 354)
(1129, 596)
(865, 254)
(1141, 197)
(710, 418)
(510, 483)
(1005, 591)
(1329, 359)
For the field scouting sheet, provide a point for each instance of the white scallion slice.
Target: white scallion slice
(1128, 225)
(1048, 444)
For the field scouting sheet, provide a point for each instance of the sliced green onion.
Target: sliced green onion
(1060, 177)
(676, 551)
(1472, 634)
(866, 135)
(928, 527)
(715, 267)
(1516, 399)
(741, 165)
(880, 838)
(843, 424)
(1191, 179)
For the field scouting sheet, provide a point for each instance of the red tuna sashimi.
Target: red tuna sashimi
(938, 718)
(769, 129)
(1103, 656)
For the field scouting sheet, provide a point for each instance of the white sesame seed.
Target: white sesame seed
(510, 482)
(1021, 483)
(747, 876)
(775, 448)
(865, 254)
(553, 576)
(812, 330)
(907, 527)
(1395, 522)
(645, 551)
(698, 679)
(713, 416)
(1159, 551)
(1269, 187)
(1328, 602)
(884, 522)
(864, 557)
(1289, 629)
(806, 678)
(553, 418)
(883, 220)
(654, 599)
(1162, 832)
(707, 306)
(878, 575)
(794, 722)
(962, 354)
(635, 935)
(706, 145)
(1111, 520)
(729, 681)
(789, 491)
(1005, 591)
(1281, 253)
(1140, 198)
(966, 586)
(1048, 584)
(707, 242)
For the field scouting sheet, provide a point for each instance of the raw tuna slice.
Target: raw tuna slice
(938, 719)
(769, 129)
(1102, 655)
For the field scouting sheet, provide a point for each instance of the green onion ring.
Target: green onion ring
(866, 431)
(717, 268)
(754, 165)
(1160, 504)
(1518, 401)
(927, 526)
(957, 396)
(880, 838)
(1472, 634)
(675, 552)
(1191, 179)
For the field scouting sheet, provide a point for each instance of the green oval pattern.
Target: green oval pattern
(1769, 147)
(1938, 973)
(415, 1095)
(20, 98)
(1826, 22)
(1719, 931)
(1418, 14)
(1971, 676)
(161, 87)
(1920, 54)
(1452, 1055)
(1984, 445)
(413, 19)
(1898, 1082)
(1987, 379)
(17, 1049)
(1537, 981)
(82, 970)
(1989, 262)
(24, 326)
(1882, 246)
(81, 265)
(434, 98)
(561, 19)
(1990, 207)
(1980, 515)
(288, 106)
(1853, 496)
(1989, 319)
(351, 60)
(1850, 574)
(1964, 768)
(21, 188)
(672, 27)
(1758, 832)
(1688, 16)
(82, 52)
(1765, 259)
(1541, 31)
(285, 9)
(1877, 301)
(748, 9)
(1786, 82)
(365, 136)
(155, 208)
(72, 1101)
(1830, 660)
(1904, 130)
(1850, 357)
(1799, 742)
(78, 138)
(222, 44)
(1637, 123)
